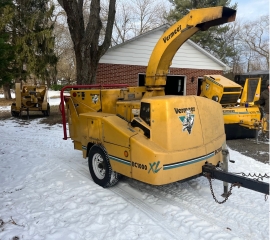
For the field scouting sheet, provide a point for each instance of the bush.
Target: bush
(56, 87)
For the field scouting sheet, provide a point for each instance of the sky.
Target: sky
(47, 193)
(251, 9)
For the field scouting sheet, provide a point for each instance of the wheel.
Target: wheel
(15, 114)
(48, 111)
(100, 167)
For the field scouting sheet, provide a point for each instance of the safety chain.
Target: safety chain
(255, 176)
(258, 177)
(208, 175)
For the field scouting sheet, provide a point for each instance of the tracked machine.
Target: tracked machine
(30, 98)
(241, 116)
(141, 133)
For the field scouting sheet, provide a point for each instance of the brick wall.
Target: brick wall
(128, 74)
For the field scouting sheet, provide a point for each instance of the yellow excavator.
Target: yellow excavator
(241, 116)
(140, 132)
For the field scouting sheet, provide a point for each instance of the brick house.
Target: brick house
(127, 63)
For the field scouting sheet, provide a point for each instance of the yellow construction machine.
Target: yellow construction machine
(141, 133)
(241, 117)
(30, 98)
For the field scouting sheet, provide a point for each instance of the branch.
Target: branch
(94, 25)
(74, 19)
(61, 3)
(108, 34)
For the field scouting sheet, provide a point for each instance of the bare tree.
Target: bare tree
(63, 48)
(250, 42)
(148, 14)
(255, 37)
(237, 61)
(132, 18)
(122, 24)
(85, 36)
(136, 17)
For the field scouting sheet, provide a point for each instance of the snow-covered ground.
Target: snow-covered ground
(46, 192)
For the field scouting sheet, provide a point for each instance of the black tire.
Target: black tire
(47, 112)
(100, 167)
(15, 114)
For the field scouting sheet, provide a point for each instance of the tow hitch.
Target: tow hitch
(212, 172)
(245, 182)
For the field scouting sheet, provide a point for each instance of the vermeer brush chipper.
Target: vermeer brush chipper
(30, 98)
(139, 132)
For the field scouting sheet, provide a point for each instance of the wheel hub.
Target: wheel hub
(98, 166)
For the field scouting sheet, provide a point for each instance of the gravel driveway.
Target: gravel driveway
(250, 148)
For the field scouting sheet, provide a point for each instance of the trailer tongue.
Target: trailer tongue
(212, 172)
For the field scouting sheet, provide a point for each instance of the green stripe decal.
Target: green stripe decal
(181, 164)
(231, 113)
(120, 160)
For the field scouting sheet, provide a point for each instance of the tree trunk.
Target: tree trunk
(87, 65)
(54, 80)
(48, 80)
(86, 42)
(7, 94)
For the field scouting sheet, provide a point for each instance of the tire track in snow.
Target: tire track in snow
(124, 189)
(174, 199)
(192, 201)
(237, 200)
(148, 210)
(130, 198)
(240, 214)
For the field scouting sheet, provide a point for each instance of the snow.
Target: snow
(46, 192)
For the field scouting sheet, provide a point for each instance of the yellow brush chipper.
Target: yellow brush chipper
(141, 133)
(241, 116)
(30, 98)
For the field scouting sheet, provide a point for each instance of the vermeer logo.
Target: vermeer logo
(168, 37)
(187, 121)
(94, 98)
(183, 110)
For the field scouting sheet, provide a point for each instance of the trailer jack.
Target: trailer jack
(211, 172)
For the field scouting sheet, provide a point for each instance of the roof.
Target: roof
(258, 72)
(162, 27)
(190, 42)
